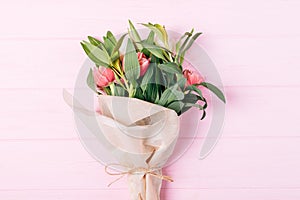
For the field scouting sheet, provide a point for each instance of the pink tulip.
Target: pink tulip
(192, 77)
(143, 61)
(103, 76)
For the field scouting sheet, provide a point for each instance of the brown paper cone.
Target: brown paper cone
(144, 135)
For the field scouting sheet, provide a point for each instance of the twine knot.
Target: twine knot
(136, 170)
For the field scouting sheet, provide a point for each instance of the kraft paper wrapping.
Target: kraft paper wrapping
(145, 135)
(139, 136)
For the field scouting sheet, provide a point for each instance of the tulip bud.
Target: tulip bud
(103, 76)
(192, 77)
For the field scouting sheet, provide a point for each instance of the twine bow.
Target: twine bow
(137, 170)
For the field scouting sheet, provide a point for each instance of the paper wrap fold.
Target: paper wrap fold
(145, 135)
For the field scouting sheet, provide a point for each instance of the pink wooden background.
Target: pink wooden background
(255, 46)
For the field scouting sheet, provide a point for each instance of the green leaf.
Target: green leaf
(160, 31)
(156, 95)
(119, 91)
(135, 35)
(139, 94)
(155, 46)
(181, 80)
(131, 63)
(195, 89)
(179, 41)
(164, 34)
(155, 50)
(194, 105)
(150, 38)
(177, 106)
(147, 77)
(170, 94)
(90, 81)
(112, 89)
(190, 98)
(215, 90)
(150, 92)
(94, 41)
(97, 55)
(181, 52)
(186, 41)
(187, 106)
(109, 46)
(165, 96)
(203, 115)
(111, 37)
(150, 41)
(107, 90)
(159, 84)
(105, 50)
(134, 32)
(192, 40)
(186, 46)
(205, 102)
(119, 44)
(170, 67)
(118, 81)
(159, 79)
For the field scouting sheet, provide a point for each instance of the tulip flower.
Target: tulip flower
(192, 77)
(103, 76)
(143, 61)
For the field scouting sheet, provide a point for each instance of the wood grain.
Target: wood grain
(240, 61)
(255, 46)
(256, 112)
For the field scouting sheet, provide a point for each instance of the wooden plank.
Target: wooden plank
(94, 17)
(167, 194)
(33, 114)
(235, 164)
(56, 63)
(255, 47)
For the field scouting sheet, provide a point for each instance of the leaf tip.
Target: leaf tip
(130, 23)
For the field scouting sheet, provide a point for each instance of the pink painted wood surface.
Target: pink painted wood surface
(255, 46)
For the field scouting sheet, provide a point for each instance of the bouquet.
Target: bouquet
(141, 92)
